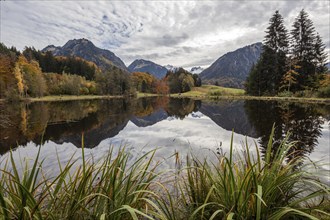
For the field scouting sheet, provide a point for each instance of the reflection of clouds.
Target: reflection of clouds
(179, 135)
(321, 153)
(197, 135)
(200, 136)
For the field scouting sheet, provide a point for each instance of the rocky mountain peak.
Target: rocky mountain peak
(141, 65)
(78, 42)
(232, 68)
(85, 49)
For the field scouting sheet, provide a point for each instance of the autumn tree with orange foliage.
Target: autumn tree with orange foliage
(35, 83)
(7, 65)
(161, 87)
(144, 82)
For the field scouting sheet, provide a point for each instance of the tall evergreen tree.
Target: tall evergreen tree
(320, 55)
(303, 49)
(276, 35)
(266, 76)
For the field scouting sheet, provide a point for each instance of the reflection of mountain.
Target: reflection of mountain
(182, 107)
(229, 115)
(96, 120)
(66, 122)
(93, 137)
(101, 119)
(151, 119)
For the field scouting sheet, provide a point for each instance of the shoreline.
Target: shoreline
(182, 95)
(261, 98)
(61, 98)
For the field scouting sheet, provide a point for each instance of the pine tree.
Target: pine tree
(252, 82)
(320, 55)
(266, 76)
(277, 35)
(303, 45)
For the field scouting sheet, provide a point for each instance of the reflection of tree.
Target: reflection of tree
(59, 121)
(10, 129)
(180, 108)
(98, 119)
(304, 125)
(4, 117)
(303, 122)
(149, 111)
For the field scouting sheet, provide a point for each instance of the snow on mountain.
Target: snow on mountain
(171, 68)
(196, 70)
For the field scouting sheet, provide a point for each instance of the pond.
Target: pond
(172, 125)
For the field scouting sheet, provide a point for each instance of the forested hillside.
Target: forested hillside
(34, 73)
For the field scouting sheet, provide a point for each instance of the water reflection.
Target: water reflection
(302, 121)
(98, 120)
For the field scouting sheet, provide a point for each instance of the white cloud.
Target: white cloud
(182, 33)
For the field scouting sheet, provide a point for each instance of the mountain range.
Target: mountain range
(231, 69)
(85, 49)
(196, 70)
(171, 68)
(148, 66)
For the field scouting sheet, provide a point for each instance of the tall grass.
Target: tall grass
(236, 186)
(251, 188)
(110, 189)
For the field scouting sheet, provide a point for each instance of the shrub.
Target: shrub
(12, 95)
(305, 93)
(324, 92)
(285, 94)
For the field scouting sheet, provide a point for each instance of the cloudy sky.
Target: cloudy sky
(181, 33)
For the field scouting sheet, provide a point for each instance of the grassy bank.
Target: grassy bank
(71, 98)
(59, 98)
(142, 94)
(217, 93)
(237, 186)
(209, 92)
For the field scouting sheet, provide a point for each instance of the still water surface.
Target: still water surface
(171, 125)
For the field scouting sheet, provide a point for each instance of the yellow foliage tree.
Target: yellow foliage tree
(144, 82)
(35, 83)
(325, 81)
(6, 79)
(290, 77)
(19, 79)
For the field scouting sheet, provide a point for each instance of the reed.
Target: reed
(235, 186)
(251, 188)
(109, 189)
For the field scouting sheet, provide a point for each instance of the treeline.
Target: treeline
(182, 81)
(59, 64)
(290, 62)
(33, 73)
(174, 82)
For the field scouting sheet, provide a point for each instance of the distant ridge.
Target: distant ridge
(148, 66)
(87, 50)
(231, 69)
(172, 68)
(196, 70)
